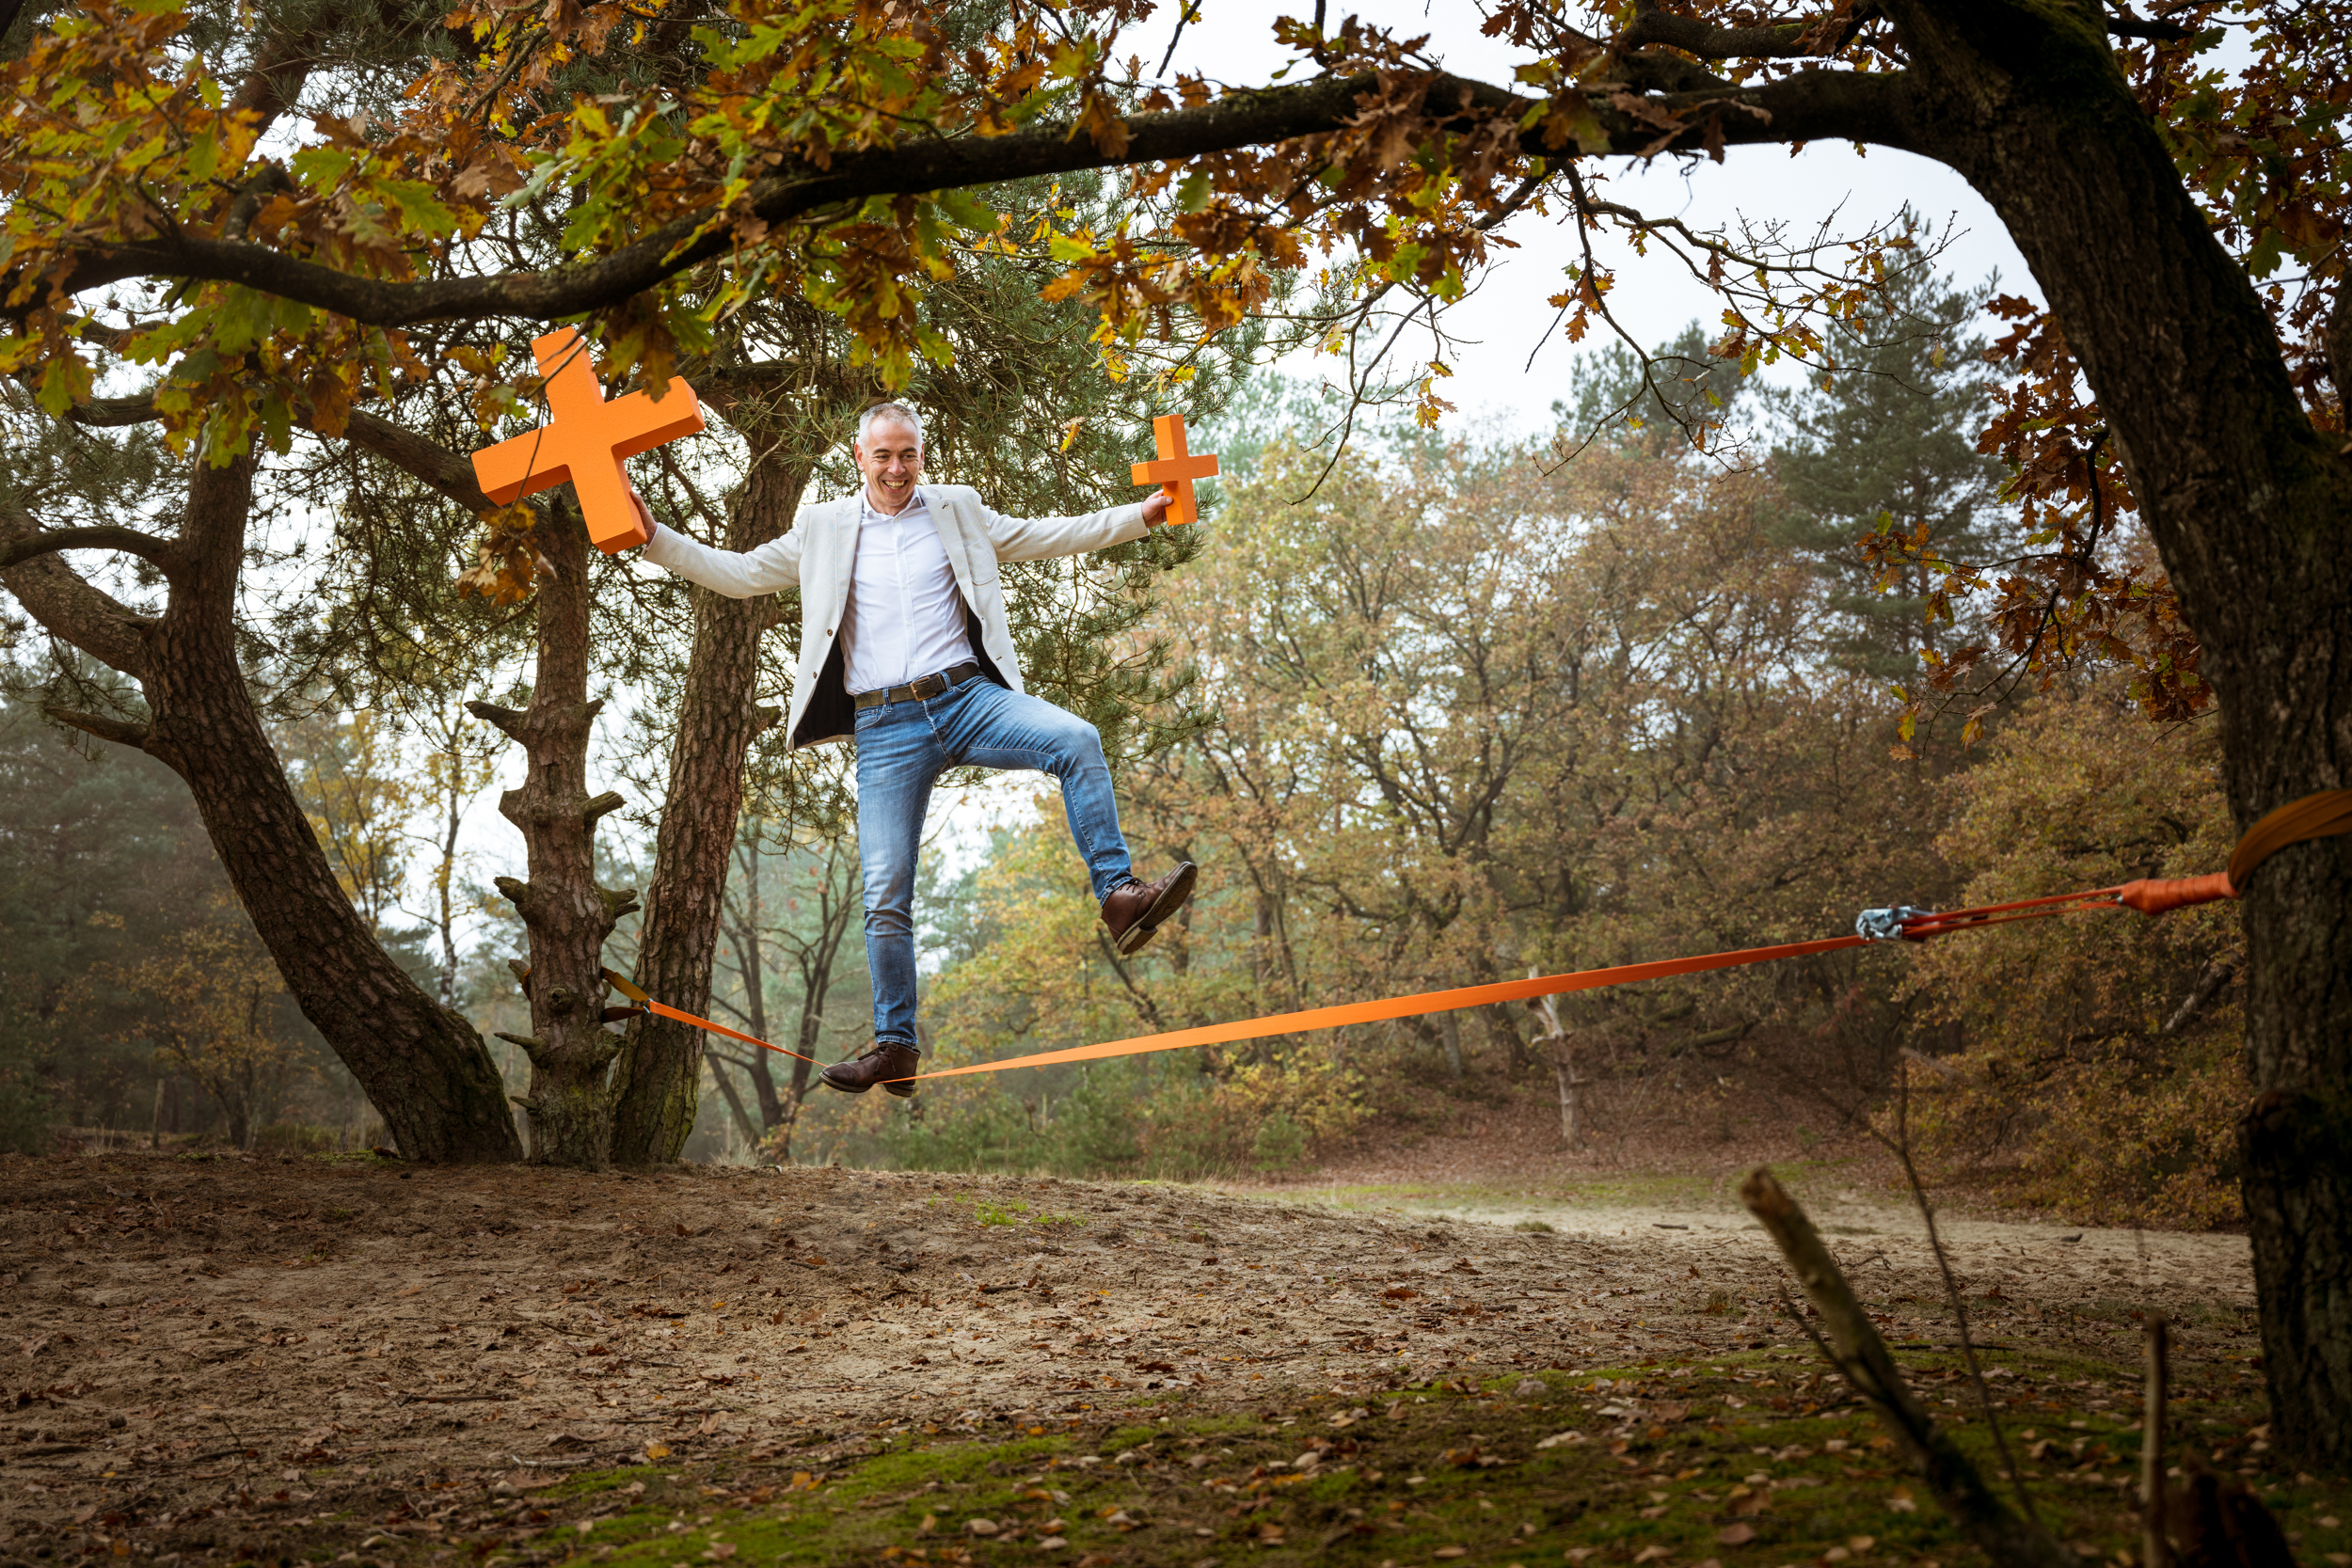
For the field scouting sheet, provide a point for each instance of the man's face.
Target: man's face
(890, 456)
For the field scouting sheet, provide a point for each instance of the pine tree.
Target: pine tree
(1890, 437)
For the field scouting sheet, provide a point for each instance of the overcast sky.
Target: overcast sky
(1828, 183)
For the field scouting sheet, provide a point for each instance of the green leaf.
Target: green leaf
(322, 168)
(64, 381)
(417, 207)
(967, 211)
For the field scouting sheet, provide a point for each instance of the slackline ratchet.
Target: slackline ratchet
(2320, 816)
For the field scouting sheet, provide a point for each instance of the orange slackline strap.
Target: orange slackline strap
(622, 984)
(2321, 815)
(2318, 815)
(1408, 1006)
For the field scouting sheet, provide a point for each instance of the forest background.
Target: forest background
(1429, 710)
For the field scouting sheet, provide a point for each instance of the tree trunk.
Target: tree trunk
(661, 1062)
(421, 1065)
(567, 916)
(2249, 506)
(445, 872)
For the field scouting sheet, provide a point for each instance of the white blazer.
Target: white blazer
(820, 552)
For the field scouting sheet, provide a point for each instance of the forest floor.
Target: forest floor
(352, 1360)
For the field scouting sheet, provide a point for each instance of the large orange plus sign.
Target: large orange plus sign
(1176, 469)
(584, 441)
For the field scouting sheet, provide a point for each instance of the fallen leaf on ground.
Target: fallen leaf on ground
(1736, 1535)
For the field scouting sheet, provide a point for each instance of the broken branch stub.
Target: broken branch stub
(1853, 1346)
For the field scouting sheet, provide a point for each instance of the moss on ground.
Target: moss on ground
(1746, 1459)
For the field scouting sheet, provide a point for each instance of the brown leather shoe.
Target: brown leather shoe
(888, 1063)
(1135, 912)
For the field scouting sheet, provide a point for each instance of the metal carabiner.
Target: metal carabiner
(1887, 925)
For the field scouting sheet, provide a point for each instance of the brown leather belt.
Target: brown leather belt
(919, 687)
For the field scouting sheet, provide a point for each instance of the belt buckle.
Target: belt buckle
(927, 686)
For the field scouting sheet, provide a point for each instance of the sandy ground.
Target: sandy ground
(188, 1335)
(1503, 1165)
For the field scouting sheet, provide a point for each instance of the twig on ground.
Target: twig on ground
(1901, 1144)
(1853, 1347)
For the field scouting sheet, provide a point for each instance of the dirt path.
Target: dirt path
(2208, 1278)
(184, 1333)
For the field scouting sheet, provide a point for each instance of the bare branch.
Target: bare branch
(112, 413)
(68, 608)
(504, 720)
(96, 536)
(447, 471)
(1653, 23)
(121, 732)
(278, 75)
(422, 459)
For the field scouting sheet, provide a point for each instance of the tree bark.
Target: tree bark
(661, 1059)
(568, 917)
(421, 1065)
(2249, 506)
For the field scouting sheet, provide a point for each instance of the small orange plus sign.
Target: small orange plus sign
(1176, 469)
(584, 441)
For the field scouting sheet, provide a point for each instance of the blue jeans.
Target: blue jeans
(902, 748)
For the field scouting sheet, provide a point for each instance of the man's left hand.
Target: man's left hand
(1155, 508)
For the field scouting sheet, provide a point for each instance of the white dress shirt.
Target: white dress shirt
(905, 616)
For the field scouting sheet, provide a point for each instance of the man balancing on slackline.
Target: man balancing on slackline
(904, 645)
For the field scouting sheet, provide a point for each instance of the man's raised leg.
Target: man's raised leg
(991, 727)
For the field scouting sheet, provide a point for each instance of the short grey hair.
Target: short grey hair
(893, 413)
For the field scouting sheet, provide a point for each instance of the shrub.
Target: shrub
(23, 1113)
(2101, 1075)
(1278, 1145)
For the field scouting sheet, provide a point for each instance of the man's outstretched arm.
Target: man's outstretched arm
(737, 574)
(1037, 538)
